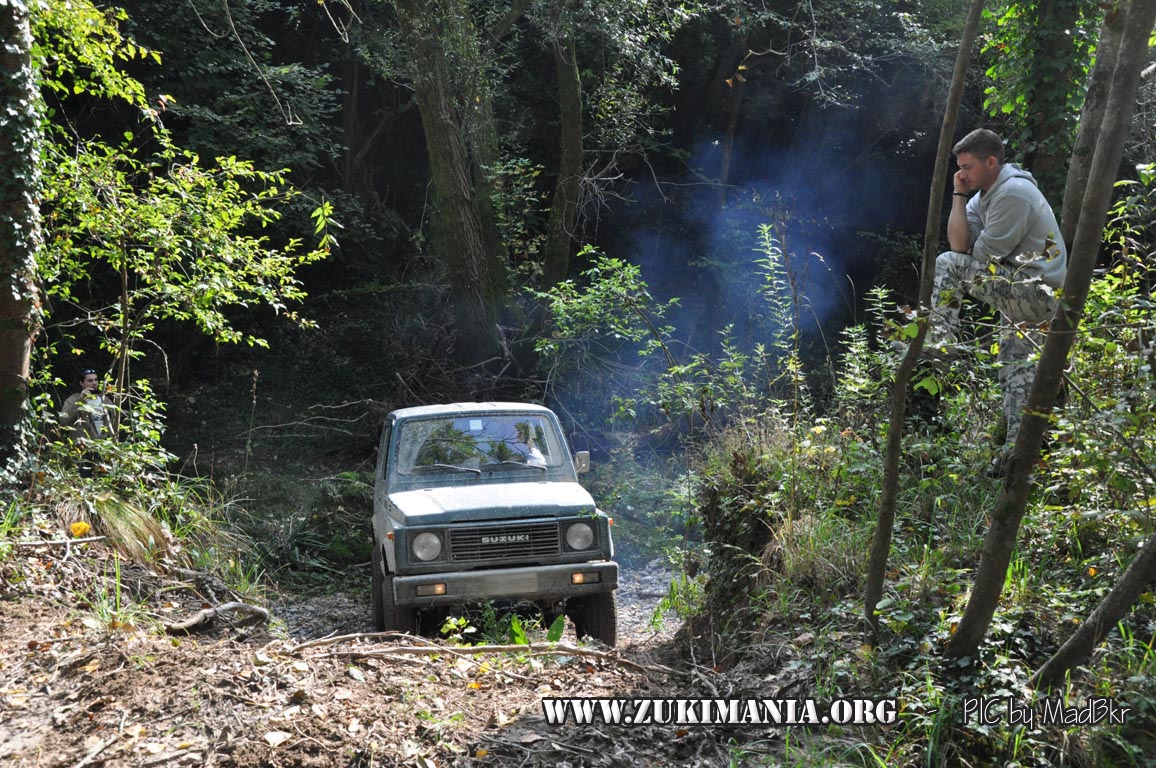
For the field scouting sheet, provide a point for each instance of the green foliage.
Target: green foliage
(11, 526)
(704, 387)
(786, 502)
(240, 80)
(1129, 231)
(1102, 459)
(139, 234)
(111, 606)
(312, 530)
(811, 50)
(79, 49)
(174, 231)
(142, 233)
(786, 493)
(1038, 58)
(517, 634)
(615, 318)
(520, 210)
(627, 40)
(615, 307)
(645, 494)
(605, 330)
(485, 624)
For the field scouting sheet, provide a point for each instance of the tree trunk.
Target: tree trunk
(461, 232)
(1141, 572)
(1091, 119)
(481, 131)
(350, 122)
(20, 234)
(564, 207)
(736, 85)
(1012, 502)
(881, 541)
(1054, 66)
(1137, 579)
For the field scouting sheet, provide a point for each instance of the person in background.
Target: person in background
(86, 414)
(1006, 251)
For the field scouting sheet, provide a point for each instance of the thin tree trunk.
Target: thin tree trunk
(564, 207)
(1136, 580)
(881, 541)
(736, 86)
(351, 123)
(1009, 509)
(481, 132)
(1091, 119)
(461, 233)
(20, 233)
(1055, 64)
(1141, 572)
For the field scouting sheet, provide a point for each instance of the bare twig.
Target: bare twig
(334, 639)
(256, 615)
(57, 542)
(96, 751)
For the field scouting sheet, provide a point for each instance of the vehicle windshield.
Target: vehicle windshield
(485, 442)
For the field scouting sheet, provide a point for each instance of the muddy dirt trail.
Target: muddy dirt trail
(86, 679)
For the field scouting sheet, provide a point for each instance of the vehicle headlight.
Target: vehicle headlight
(579, 536)
(427, 546)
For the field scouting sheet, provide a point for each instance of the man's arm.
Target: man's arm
(71, 411)
(958, 229)
(1004, 229)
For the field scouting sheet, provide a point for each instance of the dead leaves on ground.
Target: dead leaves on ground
(136, 698)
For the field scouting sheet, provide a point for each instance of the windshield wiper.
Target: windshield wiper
(446, 468)
(511, 463)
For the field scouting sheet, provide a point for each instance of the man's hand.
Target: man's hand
(958, 230)
(960, 184)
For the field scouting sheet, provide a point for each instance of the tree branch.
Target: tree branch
(502, 28)
(256, 615)
(533, 649)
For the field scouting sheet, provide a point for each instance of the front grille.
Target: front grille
(503, 542)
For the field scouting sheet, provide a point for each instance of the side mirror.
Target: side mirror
(582, 461)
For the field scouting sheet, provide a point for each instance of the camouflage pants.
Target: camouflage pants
(1025, 306)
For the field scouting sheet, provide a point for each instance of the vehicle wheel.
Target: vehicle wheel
(388, 616)
(377, 578)
(597, 617)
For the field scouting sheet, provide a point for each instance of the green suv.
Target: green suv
(480, 502)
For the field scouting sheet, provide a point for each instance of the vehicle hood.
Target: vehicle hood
(438, 506)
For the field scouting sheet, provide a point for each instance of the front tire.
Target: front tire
(387, 615)
(597, 617)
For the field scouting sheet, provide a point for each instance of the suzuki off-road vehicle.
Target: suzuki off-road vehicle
(479, 503)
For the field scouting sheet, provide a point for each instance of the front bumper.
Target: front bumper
(549, 582)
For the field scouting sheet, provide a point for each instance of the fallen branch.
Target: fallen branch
(256, 615)
(332, 640)
(533, 649)
(57, 542)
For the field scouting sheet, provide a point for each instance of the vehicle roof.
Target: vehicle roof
(465, 409)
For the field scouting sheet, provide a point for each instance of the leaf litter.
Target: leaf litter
(76, 692)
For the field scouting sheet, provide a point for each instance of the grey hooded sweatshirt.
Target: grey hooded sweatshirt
(1013, 223)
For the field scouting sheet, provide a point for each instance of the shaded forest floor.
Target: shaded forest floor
(87, 678)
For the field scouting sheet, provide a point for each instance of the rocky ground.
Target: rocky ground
(89, 677)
